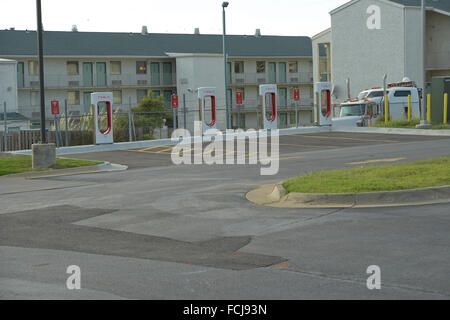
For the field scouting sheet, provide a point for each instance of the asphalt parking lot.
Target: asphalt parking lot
(289, 146)
(161, 231)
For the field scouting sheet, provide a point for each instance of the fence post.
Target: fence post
(184, 110)
(409, 108)
(296, 114)
(67, 123)
(5, 131)
(130, 138)
(386, 109)
(445, 107)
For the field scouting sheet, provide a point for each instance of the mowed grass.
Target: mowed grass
(23, 164)
(420, 174)
(407, 124)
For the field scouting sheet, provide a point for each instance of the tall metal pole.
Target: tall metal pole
(424, 122)
(424, 66)
(41, 69)
(5, 131)
(227, 111)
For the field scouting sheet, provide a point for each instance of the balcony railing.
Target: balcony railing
(112, 81)
(262, 78)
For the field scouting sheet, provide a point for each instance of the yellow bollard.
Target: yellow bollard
(409, 108)
(445, 107)
(429, 108)
(386, 109)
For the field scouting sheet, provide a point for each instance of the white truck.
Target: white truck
(364, 110)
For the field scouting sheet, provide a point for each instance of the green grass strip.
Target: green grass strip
(23, 164)
(421, 174)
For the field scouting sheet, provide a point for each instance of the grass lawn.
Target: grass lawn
(421, 174)
(23, 164)
(406, 124)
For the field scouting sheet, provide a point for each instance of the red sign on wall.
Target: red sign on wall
(296, 94)
(238, 97)
(55, 107)
(174, 101)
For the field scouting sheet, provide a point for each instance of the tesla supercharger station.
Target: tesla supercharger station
(268, 92)
(322, 111)
(207, 104)
(97, 99)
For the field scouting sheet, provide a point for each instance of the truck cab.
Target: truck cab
(357, 113)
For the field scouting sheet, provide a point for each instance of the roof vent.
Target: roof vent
(258, 33)
(144, 30)
(12, 29)
(197, 31)
(74, 28)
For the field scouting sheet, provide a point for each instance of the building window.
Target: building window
(116, 67)
(260, 66)
(293, 67)
(117, 96)
(72, 68)
(156, 94)
(73, 98)
(33, 68)
(141, 67)
(35, 97)
(141, 94)
(239, 67)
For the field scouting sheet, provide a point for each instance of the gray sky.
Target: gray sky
(273, 17)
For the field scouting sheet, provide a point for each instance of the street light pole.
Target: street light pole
(41, 70)
(227, 111)
(424, 122)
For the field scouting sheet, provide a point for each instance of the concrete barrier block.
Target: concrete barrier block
(43, 155)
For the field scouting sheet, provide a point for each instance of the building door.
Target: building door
(282, 120)
(88, 79)
(87, 102)
(229, 72)
(101, 74)
(167, 73)
(167, 98)
(282, 97)
(272, 72)
(282, 71)
(20, 75)
(154, 72)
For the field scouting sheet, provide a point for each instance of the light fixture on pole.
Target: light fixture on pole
(227, 111)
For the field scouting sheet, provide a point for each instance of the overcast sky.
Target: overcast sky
(273, 17)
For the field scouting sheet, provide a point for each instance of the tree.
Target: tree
(151, 112)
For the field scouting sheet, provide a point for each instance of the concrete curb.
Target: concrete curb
(166, 142)
(418, 132)
(276, 196)
(104, 167)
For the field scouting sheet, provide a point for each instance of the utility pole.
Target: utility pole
(227, 111)
(424, 123)
(41, 70)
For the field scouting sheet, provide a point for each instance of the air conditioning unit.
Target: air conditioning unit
(116, 82)
(142, 82)
(74, 83)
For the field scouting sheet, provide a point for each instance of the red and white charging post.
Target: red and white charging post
(175, 109)
(296, 101)
(239, 103)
